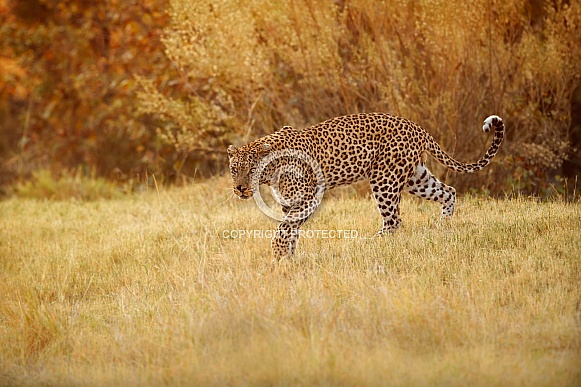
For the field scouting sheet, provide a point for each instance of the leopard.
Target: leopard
(388, 151)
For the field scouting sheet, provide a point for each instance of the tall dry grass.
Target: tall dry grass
(146, 290)
(253, 66)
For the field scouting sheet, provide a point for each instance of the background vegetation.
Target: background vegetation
(122, 90)
(145, 290)
(67, 88)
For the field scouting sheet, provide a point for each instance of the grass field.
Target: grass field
(152, 289)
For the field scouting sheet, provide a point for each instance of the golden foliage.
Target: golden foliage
(67, 91)
(76, 78)
(443, 64)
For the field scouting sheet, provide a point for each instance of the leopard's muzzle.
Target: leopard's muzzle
(243, 193)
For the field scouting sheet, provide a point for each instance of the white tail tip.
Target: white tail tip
(490, 122)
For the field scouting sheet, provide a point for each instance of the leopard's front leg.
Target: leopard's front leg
(299, 192)
(285, 240)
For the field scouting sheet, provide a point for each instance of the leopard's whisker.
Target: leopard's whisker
(228, 198)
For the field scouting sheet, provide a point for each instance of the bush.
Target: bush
(255, 66)
(76, 78)
(67, 89)
(70, 185)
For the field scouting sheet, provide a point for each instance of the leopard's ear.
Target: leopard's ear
(266, 147)
(231, 150)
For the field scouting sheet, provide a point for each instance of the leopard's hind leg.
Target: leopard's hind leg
(386, 188)
(426, 186)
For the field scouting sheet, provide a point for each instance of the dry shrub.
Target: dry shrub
(254, 66)
(68, 186)
(67, 91)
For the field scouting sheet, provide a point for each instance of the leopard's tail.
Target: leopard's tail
(436, 151)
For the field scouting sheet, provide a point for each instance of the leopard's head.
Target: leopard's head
(243, 164)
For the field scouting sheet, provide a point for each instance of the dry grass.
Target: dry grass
(145, 291)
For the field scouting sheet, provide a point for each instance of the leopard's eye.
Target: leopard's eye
(233, 170)
(252, 170)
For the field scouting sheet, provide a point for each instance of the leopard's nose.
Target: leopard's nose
(239, 188)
